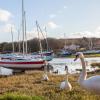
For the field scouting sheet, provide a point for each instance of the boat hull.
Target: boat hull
(48, 56)
(23, 65)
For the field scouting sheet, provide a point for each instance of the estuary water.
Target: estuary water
(59, 64)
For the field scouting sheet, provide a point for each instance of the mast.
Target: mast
(25, 33)
(46, 39)
(19, 41)
(39, 29)
(40, 45)
(23, 26)
(12, 39)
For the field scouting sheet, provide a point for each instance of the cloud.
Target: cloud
(87, 34)
(34, 34)
(7, 28)
(52, 25)
(5, 15)
(98, 30)
(30, 35)
(52, 16)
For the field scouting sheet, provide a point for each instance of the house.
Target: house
(96, 45)
(72, 47)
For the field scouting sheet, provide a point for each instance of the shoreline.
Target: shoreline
(86, 55)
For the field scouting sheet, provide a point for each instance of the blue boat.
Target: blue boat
(45, 55)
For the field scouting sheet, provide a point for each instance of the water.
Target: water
(5, 71)
(59, 64)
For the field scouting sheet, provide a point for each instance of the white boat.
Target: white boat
(22, 63)
(15, 61)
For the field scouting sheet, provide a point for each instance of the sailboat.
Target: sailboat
(64, 52)
(23, 61)
(47, 54)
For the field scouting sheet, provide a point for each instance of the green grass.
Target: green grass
(20, 97)
(29, 86)
(86, 55)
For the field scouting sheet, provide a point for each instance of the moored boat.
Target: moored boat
(45, 55)
(21, 62)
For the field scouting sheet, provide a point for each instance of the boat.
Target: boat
(91, 52)
(45, 55)
(21, 63)
(64, 53)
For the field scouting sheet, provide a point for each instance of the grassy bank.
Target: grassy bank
(95, 65)
(86, 55)
(30, 87)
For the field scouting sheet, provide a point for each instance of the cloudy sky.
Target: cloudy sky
(75, 18)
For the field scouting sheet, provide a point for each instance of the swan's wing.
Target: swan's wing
(94, 79)
(92, 83)
(62, 85)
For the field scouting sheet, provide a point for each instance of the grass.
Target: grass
(20, 97)
(92, 55)
(29, 86)
(95, 65)
(86, 55)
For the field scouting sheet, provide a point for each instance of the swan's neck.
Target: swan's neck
(66, 76)
(83, 74)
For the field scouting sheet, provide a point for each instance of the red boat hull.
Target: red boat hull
(23, 65)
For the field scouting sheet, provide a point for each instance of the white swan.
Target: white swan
(90, 84)
(45, 76)
(65, 84)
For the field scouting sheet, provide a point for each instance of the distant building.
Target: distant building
(97, 45)
(72, 47)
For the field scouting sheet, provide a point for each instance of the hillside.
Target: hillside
(54, 44)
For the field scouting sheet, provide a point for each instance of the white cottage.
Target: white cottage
(72, 47)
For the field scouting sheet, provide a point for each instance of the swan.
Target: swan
(65, 84)
(91, 84)
(45, 76)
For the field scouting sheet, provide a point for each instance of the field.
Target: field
(29, 86)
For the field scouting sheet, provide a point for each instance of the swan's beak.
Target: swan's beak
(76, 58)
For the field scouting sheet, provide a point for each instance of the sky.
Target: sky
(74, 18)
